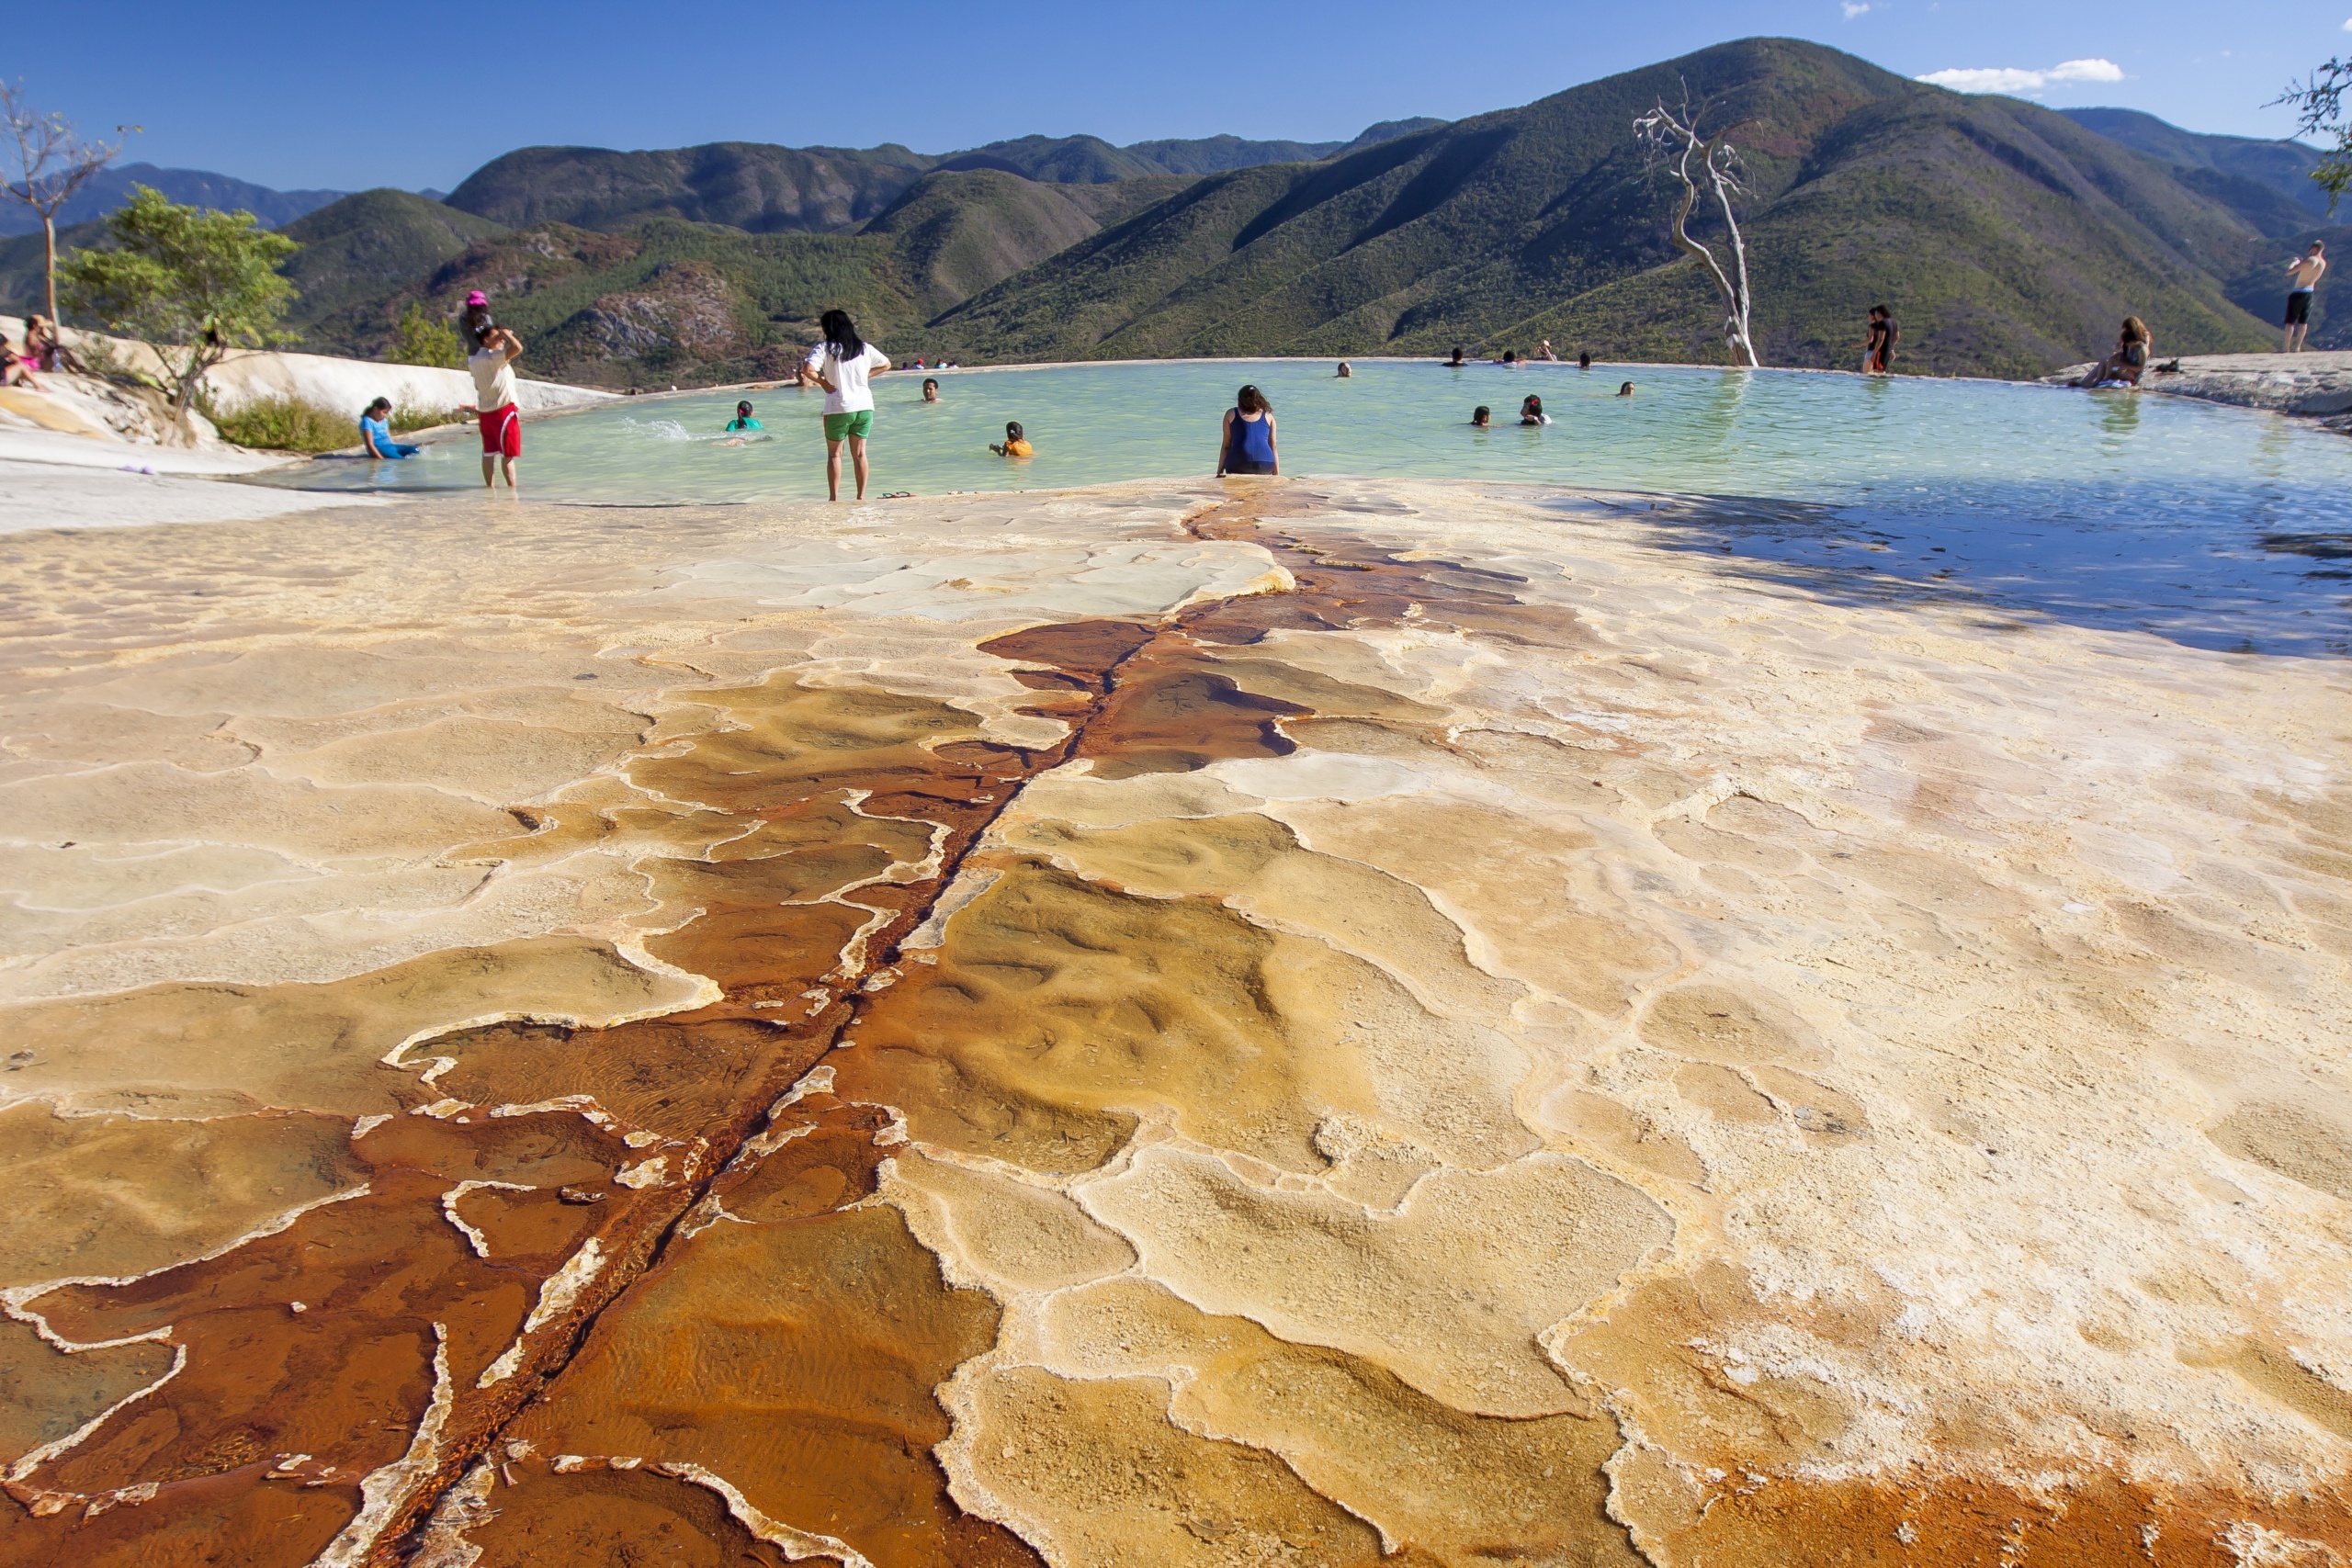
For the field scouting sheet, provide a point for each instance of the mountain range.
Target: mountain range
(2007, 237)
(110, 187)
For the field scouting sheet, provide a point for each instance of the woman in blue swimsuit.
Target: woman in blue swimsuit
(1248, 447)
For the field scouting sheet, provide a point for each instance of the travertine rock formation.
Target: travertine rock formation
(1295, 1023)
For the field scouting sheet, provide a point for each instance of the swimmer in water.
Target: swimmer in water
(1531, 412)
(931, 389)
(1457, 362)
(1626, 390)
(743, 419)
(1346, 371)
(1481, 417)
(1015, 443)
(1584, 360)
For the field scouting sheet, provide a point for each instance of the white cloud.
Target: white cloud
(1856, 7)
(2347, 24)
(2010, 79)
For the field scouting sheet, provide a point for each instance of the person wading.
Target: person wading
(1248, 445)
(842, 364)
(491, 354)
(1878, 346)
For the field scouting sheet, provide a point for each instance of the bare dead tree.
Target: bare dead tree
(1676, 136)
(51, 164)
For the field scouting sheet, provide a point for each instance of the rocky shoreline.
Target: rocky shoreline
(2316, 386)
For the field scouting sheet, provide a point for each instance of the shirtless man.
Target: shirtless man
(2302, 275)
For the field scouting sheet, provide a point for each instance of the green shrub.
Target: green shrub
(406, 418)
(427, 340)
(288, 425)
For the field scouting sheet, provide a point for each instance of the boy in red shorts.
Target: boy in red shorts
(494, 351)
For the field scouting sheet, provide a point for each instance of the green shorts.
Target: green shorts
(841, 425)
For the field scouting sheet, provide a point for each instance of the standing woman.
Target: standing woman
(840, 364)
(1247, 446)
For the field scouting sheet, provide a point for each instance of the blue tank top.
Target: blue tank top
(1253, 439)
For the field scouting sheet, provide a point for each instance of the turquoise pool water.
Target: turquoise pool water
(2213, 525)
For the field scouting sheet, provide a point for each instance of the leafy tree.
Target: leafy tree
(50, 164)
(188, 284)
(2319, 107)
(427, 340)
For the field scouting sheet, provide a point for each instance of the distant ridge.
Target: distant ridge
(196, 187)
(762, 188)
(2269, 182)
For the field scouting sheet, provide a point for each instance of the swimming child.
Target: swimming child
(1014, 445)
(1531, 412)
(1347, 371)
(743, 420)
(931, 389)
(1584, 359)
(1626, 390)
(376, 432)
(1457, 362)
(1481, 416)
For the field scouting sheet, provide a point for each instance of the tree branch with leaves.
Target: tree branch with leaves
(1676, 136)
(2318, 103)
(190, 285)
(49, 165)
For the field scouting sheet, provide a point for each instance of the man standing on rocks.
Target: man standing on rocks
(2302, 275)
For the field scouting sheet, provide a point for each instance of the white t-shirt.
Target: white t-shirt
(851, 391)
(494, 378)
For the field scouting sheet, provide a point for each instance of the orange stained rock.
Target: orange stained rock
(790, 1345)
(402, 1358)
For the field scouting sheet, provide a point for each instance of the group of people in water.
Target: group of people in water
(843, 366)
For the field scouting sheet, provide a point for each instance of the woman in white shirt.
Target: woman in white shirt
(840, 364)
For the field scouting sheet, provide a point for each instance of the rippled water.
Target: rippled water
(2213, 525)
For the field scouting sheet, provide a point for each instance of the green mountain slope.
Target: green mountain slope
(745, 185)
(767, 189)
(359, 251)
(671, 301)
(1062, 160)
(2007, 237)
(958, 231)
(2267, 182)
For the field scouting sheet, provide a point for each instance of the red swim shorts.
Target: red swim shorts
(501, 431)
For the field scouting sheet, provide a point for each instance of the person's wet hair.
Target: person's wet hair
(1626, 390)
(1251, 400)
(931, 381)
(1481, 414)
(1012, 431)
(743, 409)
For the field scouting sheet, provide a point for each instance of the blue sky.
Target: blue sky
(345, 96)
